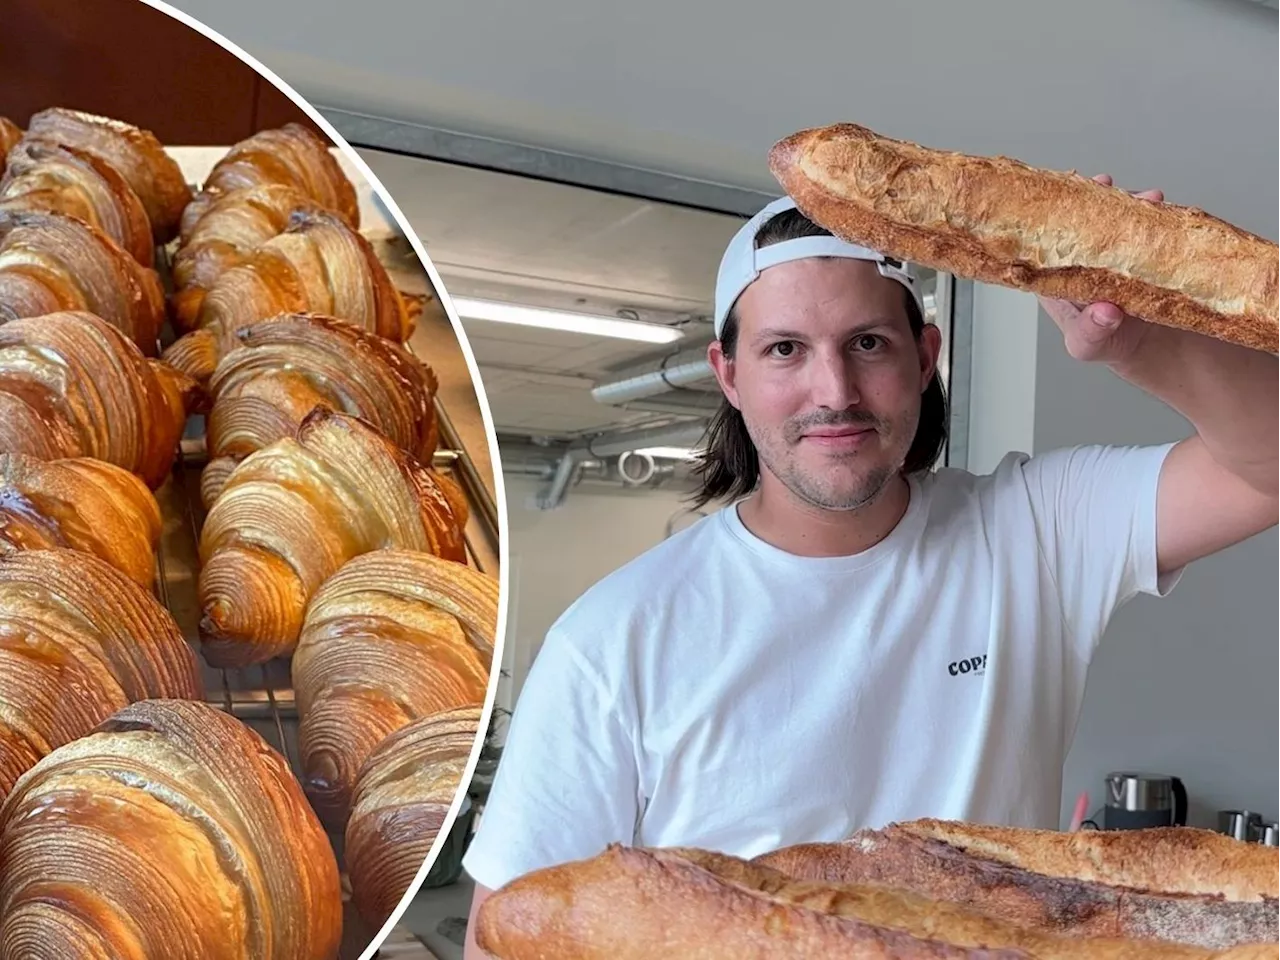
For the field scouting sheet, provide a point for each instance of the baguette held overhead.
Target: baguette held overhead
(632, 903)
(1173, 884)
(1056, 234)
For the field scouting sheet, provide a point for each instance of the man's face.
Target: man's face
(828, 378)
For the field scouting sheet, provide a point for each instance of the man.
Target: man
(859, 639)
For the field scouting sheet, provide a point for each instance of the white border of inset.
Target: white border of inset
(487, 417)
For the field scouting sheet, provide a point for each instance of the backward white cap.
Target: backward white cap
(742, 262)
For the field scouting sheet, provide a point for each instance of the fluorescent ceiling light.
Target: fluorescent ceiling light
(497, 312)
(671, 453)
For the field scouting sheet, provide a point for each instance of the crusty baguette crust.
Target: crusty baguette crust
(1062, 235)
(627, 904)
(1055, 883)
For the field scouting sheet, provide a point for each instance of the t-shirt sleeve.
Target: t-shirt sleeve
(1095, 510)
(566, 785)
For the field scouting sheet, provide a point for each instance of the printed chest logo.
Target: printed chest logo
(976, 665)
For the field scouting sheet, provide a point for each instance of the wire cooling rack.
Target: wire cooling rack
(262, 695)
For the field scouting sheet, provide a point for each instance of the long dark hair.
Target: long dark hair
(730, 467)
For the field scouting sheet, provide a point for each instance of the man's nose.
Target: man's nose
(833, 381)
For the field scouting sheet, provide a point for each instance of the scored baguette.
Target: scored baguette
(632, 903)
(1060, 235)
(1178, 884)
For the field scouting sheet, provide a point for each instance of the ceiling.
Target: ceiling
(546, 244)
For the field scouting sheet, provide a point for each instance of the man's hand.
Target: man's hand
(1218, 487)
(1099, 332)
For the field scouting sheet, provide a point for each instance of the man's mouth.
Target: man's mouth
(838, 437)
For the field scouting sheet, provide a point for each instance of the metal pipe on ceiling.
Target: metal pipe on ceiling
(652, 383)
(654, 377)
(611, 445)
(672, 435)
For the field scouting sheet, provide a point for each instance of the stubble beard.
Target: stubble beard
(777, 455)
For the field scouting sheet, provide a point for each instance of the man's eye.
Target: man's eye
(784, 348)
(867, 341)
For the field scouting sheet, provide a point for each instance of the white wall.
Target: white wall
(555, 555)
(1002, 380)
(1184, 685)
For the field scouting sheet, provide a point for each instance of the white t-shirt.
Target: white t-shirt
(718, 692)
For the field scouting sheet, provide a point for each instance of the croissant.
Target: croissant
(175, 831)
(10, 133)
(51, 262)
(78, 641)
(292, 156)
(82, 504)
(139, 157)
(392, 636)
(71, 385)
(44, 176)
(285, 367)
(294, 512)
(318, 265)
(401, 799)
(231, 227)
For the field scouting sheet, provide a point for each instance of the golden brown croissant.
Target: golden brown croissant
(291, 514)
(50, 261)
(10, 133)
(392, 636)
(292, 156)
(285, 367)
(78, 641)
(83, 504)
(232, 226)
(173, 831)
(45, 176)
(71, 385)
(139, 157)
(318, 265)
(402, 796)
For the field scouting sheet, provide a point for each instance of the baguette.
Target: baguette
(630, 903)
(1055, 234)
(1173, 884)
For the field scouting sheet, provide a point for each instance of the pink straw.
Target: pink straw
(1081, 811)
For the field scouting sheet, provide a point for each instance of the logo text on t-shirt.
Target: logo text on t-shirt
(968, 665)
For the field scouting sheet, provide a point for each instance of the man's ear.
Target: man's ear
(929, 346)
(723, 367)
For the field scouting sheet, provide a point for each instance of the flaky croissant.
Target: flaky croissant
(292, 156)
(10, 133)
(78, 641)
(45, 176)
(50, 261)
(173, 831)
(392, 636)
(292, 513)
(139, 157)
(232, 226)
(318, 265)
(71, 385)
(82, 504)
(402, 796)
(285, 367)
